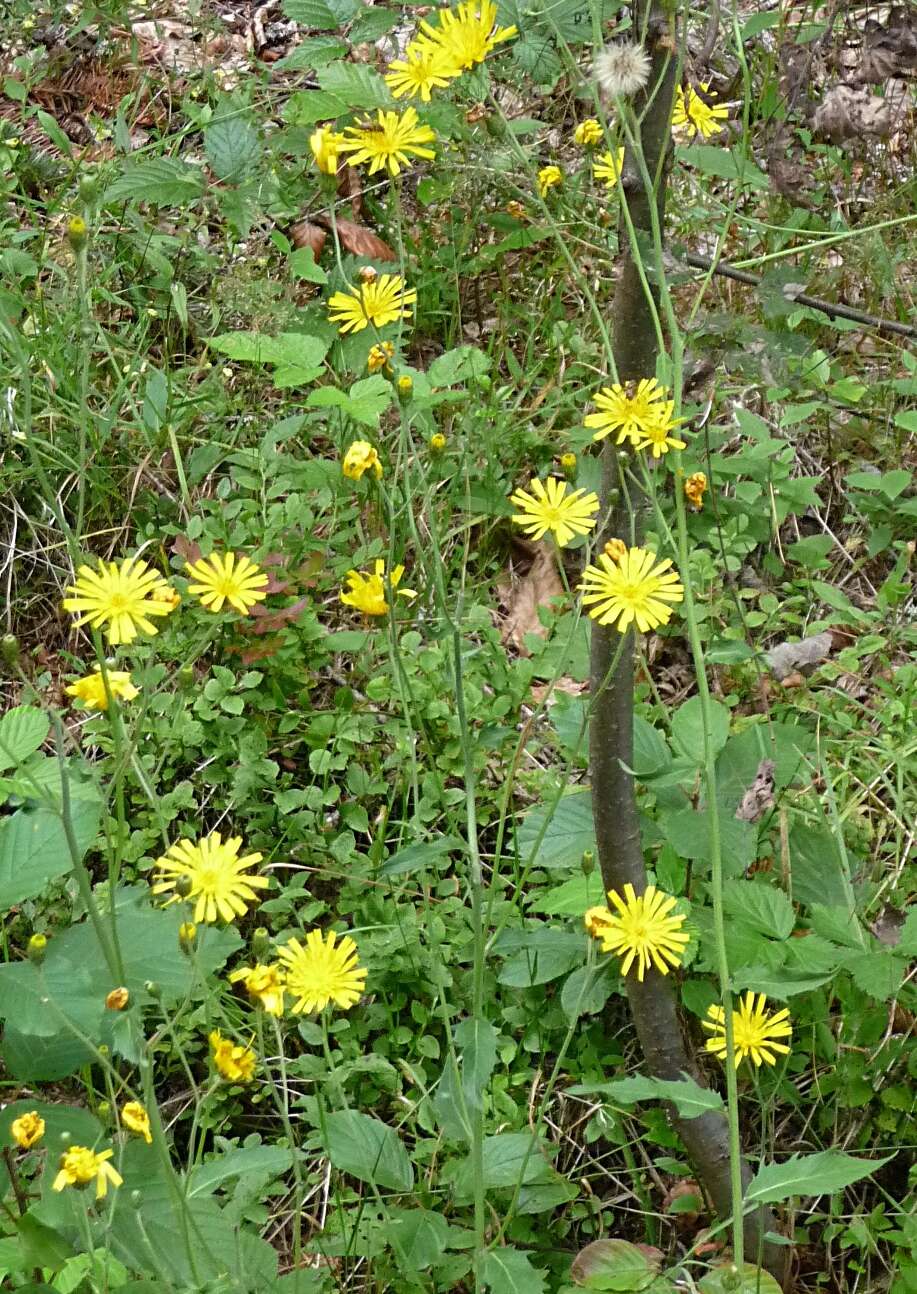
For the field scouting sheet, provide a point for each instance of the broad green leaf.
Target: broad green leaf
(297, 356)
(302, 266)
(369, 1150)
(42, 1246)
(572, 898)
(358, 85)
(879, 972)
(511, 1158)
(688, 832)
(419, 1237)
(416, 857)
(364, 402)
(614, 1265)
(751, 1280)
(561, 836)
(689, 1098)
(818, 872)
(477, 1041)
(321, 15)
(22, 731)
(84, 1128)
(724, 163)
(587, 989)
(688, 729)
(162, 180)
(39, 780)
(34, 849)
(787, 745)
(818, 1174)
(31, 1059)
(538, 956)
(246, 1160)
(651, 751)
(761, 906)
(777, 984)
(508, 1271)
(458, 365)
(313, 53)
(232, 146)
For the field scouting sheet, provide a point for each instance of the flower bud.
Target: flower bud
(9, 650)
(568, 464)
(77, 233)
(587, 862)
(405, 385)
(152, 988)
(261, 943)
(369, 274)
(117, 999)
(36, 948)
(104, 1110)
(437, 442)
(616, 549)
(183, 886)
(187, 937)
(185, 676)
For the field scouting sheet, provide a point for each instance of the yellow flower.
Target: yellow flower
(361, 457)
(405, 384)
(381, 301)
(437, 442)
(695, 116)
(187, 936)
(550, 507)
(220, 880)
(79, 1165)
(263, 983)
(322, 972)
(235, 1063)
(367, 592)
(568, 462)
(424, 68)
(28, 1129)
(380, 356)
(237, 581)
(631, 590)
(326, 145)
(657, 435)
(468, 35)
(548, 176)
(626, 409)
(640, 930)
(135, 1117)
(120, 597)
(754, 1032)
(390, 142)
(117, 999)
(588, 132)
(695, 487)
(607, 167)
(616, 549)
(91, 689)
(516, 210)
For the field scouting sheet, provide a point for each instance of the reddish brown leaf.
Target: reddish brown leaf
(305, 234)
(270, 621)
(186, 549)
(360, 241)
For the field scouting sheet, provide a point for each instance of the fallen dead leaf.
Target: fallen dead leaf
(846, 112)
(759, 798)
(523, 598)
(358, 240)
(788, 658)
(305, 234)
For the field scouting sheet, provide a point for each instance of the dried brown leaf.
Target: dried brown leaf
(846, 112)
(360, 241)
(305, 234)
(788, 658)
(759, 798)
(535, 589)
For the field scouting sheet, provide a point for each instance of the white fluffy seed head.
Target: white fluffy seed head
(623, 69)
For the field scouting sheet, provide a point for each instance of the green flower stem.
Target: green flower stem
(281, 1097)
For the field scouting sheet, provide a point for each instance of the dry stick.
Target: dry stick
(831, 308)
(617, 826)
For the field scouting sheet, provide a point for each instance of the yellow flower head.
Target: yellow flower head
(135, 1117)
(79, 1166)
(468, 34)
(367, 592)
(221, 884)
(187, 936)
(91, 689)
(390, 142)
(28, 1129)
(117, 999)
(657, 435)
(627, 409)
(693, 116)
(754, 1031)
(568, 462)
(264, 984)
(640, 930)
(382, 301)
(616, 549)
(551, 507)
(233, 1062)
(633, 589)
(361, 457)
(380, 356)
(548, 176)
(405, 384)
(607, 166)
(424, 68)
(326, 147)
(437, 442)
(695, 488)
(588, 132)
(121, 597)
(236, 580)
(322, 972)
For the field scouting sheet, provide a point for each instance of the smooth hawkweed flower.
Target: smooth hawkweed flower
(616, 549)
(135, 1118)
(367, 592)
(326, 149)
(633, 590)
(754, 1031)
(515, 209)
(28, 1129)
(263, 984)
(626, 409)
(117, 999)
(693, 116)
(232, 1061)
(221, 885)
(323, 971)
(91, 688)
(658, 436)
(382, 301)
(568, 464)
(424, 68)
(390, 142)
(588, 132)
(119, 597)
(622, 69)
(607, 166)
(640, 930)
(437, 442)
(467, 35)
(549, 505)
(548, 176)
(405, 384)
(695, 488)
(232, 579)
(187, 937)
(361, 457)
(380, 356)
(79, 1166)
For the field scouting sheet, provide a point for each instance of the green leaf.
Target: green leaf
(458, 365)
(313, 53)
(689, 1098)
(369, 1150)
(651, 750)
(83, 1128)
(364, 402)
(508, 1271)
(419, 1237)
(819, 1174)
(297, 356)
(34, 849)
(688, 729)
(724, 163)
(514, 1158)
(751, 1280)
(321, 15)
(879, 972)
(572, 898)
(562, 836)
(42, 1246)
(786, 744)
(587, 989)
(538, 956)
(355, 83)
(760, 906)
(232, 146)
(817, 868)
(268, 1161)
(161, 180)
(613, 1265)
(31, 1059)
(302, 266)
(891, 484)
(416, 857)
(688, 832)
(477, 1040)
(22, 730)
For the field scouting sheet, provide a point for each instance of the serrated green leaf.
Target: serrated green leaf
(761, 906)
(369, 1150)
(321, 15)
(22, 730)
(559, 838)
(458, 365)
(162, 180)
(356, 84)
(688, 729)
(232, 146)
(819, 1174)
